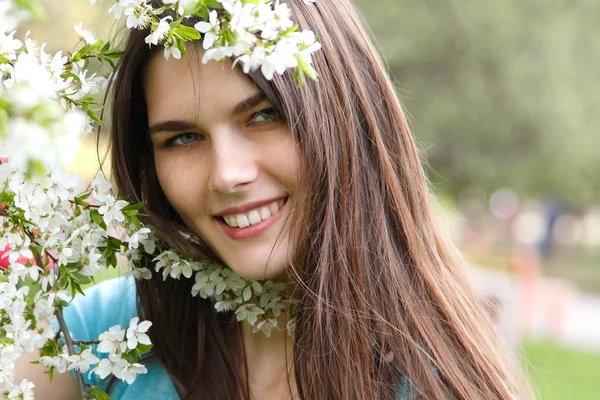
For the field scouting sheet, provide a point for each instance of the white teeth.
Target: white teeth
(254, 216)
(231, 220)
(265, 213)
(274, 207)
(242, 221)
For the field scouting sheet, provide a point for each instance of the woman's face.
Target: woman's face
(225, 160)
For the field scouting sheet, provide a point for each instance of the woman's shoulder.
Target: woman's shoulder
(109, 303)
(406, 391)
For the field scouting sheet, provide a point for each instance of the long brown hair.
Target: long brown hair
(380, 292)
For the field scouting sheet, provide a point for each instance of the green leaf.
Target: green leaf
(130, 213)
(111, 260)
(96, 46)
(193, 8)
(247, 294)
(136, 206)
(4, 60)
(99, 394)
(290, 30)
(93, 116)
(144, 348)
(114, 243)
(180, 45)
(97, 218)
(50, 373)
(80, 200)
(113, 54)
(215, 4)
(187, 32)
(82, 279)
(75, 288)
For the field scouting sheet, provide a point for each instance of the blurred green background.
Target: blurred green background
(502, 97)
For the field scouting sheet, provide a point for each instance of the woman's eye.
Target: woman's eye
(183, 139)
(266, 116)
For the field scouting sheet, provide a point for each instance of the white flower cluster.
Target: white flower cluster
(44, 101)
(11, 15)
(256, 33)
(118, 343)
(258, 303)
(55, 240)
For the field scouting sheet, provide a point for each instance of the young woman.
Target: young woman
(383, 311)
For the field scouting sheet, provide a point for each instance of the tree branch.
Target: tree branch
(71, 351)
(67, 335)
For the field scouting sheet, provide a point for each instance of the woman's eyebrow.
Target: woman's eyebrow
(248, 104)
(170, 126)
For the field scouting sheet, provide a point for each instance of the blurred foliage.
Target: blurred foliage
(499, 93)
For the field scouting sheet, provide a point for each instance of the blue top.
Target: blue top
(113, 302)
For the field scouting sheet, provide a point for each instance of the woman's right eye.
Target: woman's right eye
(183, 139)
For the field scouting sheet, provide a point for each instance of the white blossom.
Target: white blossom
(85, 34)
(209, 284)
(130, 372)
(172, 50)
(119, 7)
(114, 364)
(137, 333)
(9, 45)
(64, 255)
(141, 273)
(172, 265)
(8, 355)
(210, 29)
(25, 270)
(82, 362)
(59, 362)
(111, 210)
(100, 187)
(137, 17)
(22, 392)
(159, 32)
(112, 341)
(91, 263)
(144, 236)
(24, 339)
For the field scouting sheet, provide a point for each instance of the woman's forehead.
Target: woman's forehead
(187, 88)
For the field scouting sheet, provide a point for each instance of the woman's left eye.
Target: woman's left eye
(266, 116)
(183, 139)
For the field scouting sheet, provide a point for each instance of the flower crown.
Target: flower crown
(56, 237)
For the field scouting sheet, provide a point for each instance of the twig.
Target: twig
(67, 335)
(85, 342)
(71, 350)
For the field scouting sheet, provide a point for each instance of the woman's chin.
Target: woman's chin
(257, 272)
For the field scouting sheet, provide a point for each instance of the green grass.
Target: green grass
(559, 373)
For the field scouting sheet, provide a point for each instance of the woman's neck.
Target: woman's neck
(269, 363)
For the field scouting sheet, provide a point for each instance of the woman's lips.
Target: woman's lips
(252, 231)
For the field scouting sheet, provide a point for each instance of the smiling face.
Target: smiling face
(225, 160)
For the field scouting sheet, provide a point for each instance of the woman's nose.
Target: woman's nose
(234, 161)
